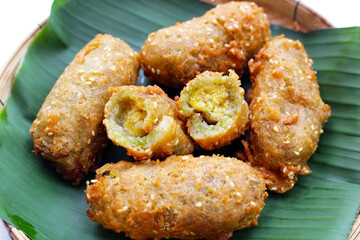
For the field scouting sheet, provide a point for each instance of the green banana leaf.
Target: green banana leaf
(323, 205)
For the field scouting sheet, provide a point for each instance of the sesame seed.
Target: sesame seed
(131, 54)
(233, 65)
(209, 29)
(312, 127)
(253, 204)
(284, 170)
(297, 153)
(214, 21)
(273, 188)
(247, 44)
(82, 78)
(152, 70)
(226, 45)
(211, 40)
(276, 129)
(231, 183)
(123, 209)
(93, 132)
(154, 231)
(93, 180)
(300, 149)
(321, 131)
(227, 178)
(50, 133)
(89, 141)
(113, 68)
(198, 204)
(238, 194)
(158, 71)
(316, 132)
(286, 141)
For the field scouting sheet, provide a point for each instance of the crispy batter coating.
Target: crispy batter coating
(226, 37)
(182, 197)
(68, 129)
(287, 113)
(215, 109)
(146, 122)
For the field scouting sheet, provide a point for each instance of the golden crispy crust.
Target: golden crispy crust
(68, 129)
(146, 122)
(226, 37)
(287, 113)
(215, 109)
(183, 197)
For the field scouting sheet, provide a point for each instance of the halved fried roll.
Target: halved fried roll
(215, 109)
(68, 129)
(146, 122)
(287, 113)
(182, 197)
(224, 38)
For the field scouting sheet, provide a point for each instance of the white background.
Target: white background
(19, 18)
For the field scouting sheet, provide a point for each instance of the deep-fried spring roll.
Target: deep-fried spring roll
(215, 109)
(182, 197)
(68, 129)
(146, 122)
(286, 113)
(226, 37)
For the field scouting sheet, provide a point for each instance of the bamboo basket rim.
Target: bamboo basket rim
(295, 20)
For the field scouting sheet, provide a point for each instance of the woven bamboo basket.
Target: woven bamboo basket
(287, 13)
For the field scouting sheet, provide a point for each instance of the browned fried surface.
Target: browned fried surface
(68, 129)
(146, 122)
(286, 113)
(215, 109)
(226, 37)
(182, 197)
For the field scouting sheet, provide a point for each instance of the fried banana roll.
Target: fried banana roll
(68, 129)
(286, 113)
(226, 37)
(183, 197)
(215, 109)
(145, 121)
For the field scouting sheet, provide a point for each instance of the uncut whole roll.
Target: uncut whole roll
(183, 197)
(286, 113)
(68, 129)
(145, 121)
(215, 109)
(226, 37)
